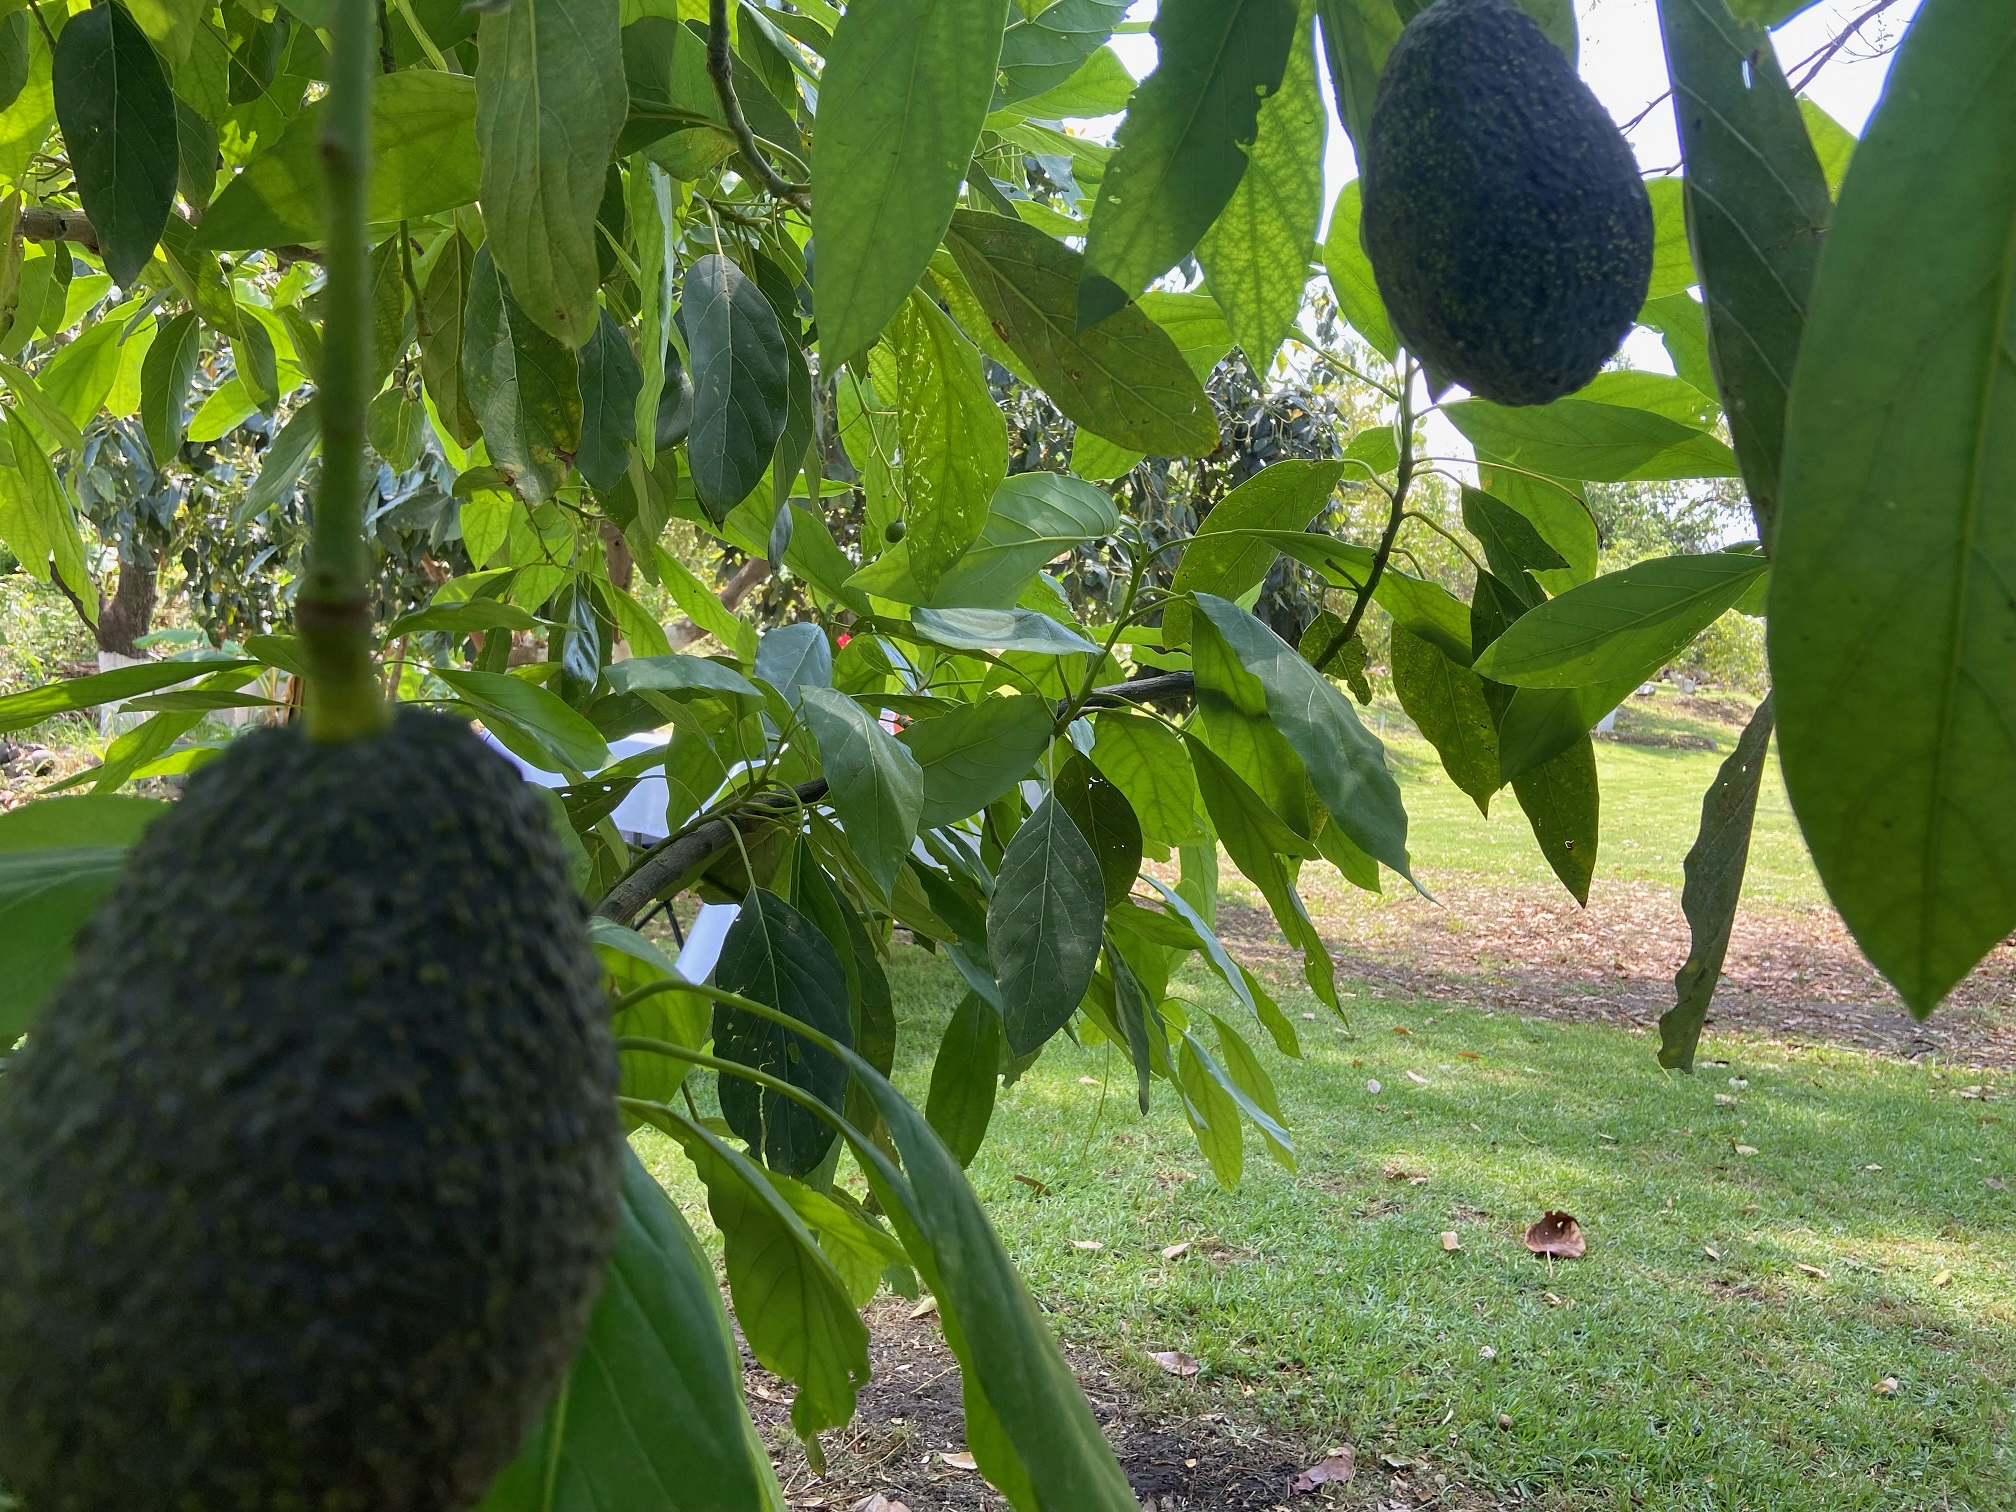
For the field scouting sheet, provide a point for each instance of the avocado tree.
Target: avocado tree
(613, 263)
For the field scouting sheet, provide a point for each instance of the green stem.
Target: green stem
(333, 611)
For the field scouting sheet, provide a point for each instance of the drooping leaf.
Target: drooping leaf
(1357, 36)
(974, 754)
(1043, 925)
(1345, 261)
(875, 782)
(1257, 253)
(1144, 759)
(1538, 724)
(1757, 210)
(739, 373)
(1715, 866)
(1106, 820)
(38, 518)
(1181, 150)
(1623, 626)
(550, 103)
(521, 385)
(1601, 443)
(906, 87)
(1000, 630)
(1124, 378)
(778, 957)
(651, 1417)
(965, 1074)
(1446, 699)
(118, 119)
(1893, 629)
(1560, 800)
(423, 162)
(1511, 544)
(1225, 558)
(565, 739)
(610, 380)
(445, 304)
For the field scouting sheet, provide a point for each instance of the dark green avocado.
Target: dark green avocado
(308, 1171)
(1508, 229)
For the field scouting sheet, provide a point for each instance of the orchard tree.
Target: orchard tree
(615, 263)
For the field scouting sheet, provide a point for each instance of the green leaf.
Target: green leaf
(95, 820)
(1511, 545)
(562, 733)
(1257, 253)
(1672, 258)
(1213, 1115)
(1144, 759)
(1043, 925)
(1768, 13)
(906, 88)
(423, 162)
(1833, 143)
(486, 509)
(1757, 209)
(1538, 724)
(874, 781)
(1893, 629)
(1357, 36)
(118, 119)
(1602, 443)
(1560, 800)
(1346, 763)
(521, 384)
(165, 376)
(20, 710)
(792, 658)
(999, 630)
(445, 302)
(1224, 558)
(1106, 821)
(739, 372)
(1715, 866)
(80, 375)
(14, 54)
(976, 753)
(1101, 86)
(1350, 269)
(1123, 379)
(610, 382)
(280, 469)
(469, 617)
(965, 1074)
(794, 1309)
(1034, 518)
(1623, 626)
(1253, 1090)
(1559, 511)
(1446, 699)
(776, 956)
(651, 1418)
(1042, 51)
(38, 520)
(679, 673)
(1181, 150)
(1683, 330)
(550, 103)
(953, 438)
(45, 897)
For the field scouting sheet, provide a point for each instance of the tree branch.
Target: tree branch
(721, 69)
(43, 223)
(736, 589)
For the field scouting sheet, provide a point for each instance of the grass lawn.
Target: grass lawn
(1651, 1374)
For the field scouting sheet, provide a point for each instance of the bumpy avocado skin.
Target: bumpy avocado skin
(308, 1174)
(1508, 229)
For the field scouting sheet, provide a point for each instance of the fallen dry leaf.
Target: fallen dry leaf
(1557, 1301)
(1087, 1244)
(925, 1308)
(1810, 1270)
(959, 1459)
(1450, 1241)
(1887, 1386)
(1338, 1465)
(1416, 1076)
(1039, 1188)
(1088, 1081)
(1373, 1087)
(1743, 1149)
(1943, 1278)
(1711, 1252)
(1175, 1361)
(1557, 1234)
(1402, 1029)
(875, 1501)
(1468, 1055)
(1504, 1420)
(1176, 1251)
(1995, 1183)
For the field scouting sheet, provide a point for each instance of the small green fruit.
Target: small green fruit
(894, 531)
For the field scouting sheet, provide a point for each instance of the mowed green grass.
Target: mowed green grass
(1651, 1374)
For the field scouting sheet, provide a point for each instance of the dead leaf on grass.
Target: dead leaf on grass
(1041, 1189)
(1338, 1465)
(1175, 1362)
(959, 1459)
(1943, 1278)
(1554, 1300)
(875, 1501)
(925, 1308)
(1810, 1270)
(1372, 1086)
(1450, 1241)
(1468, 1055)
(1711, 1252)
(1743, 1149)
(1557, 1234)
(1088, 1245)
(1416, 1076)
(1176, 1251)
(1887, 1386)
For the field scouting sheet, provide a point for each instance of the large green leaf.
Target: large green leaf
(739, 377)
(1107, 821)
(165, 376)
(974, 754)
(1144, 759)
(423, 162)
(1225, 558)
(1000, 630)
(562, 734)
(521, 385)
(1560, 800)
(1623, 626)
(1715, 866)
(874, 781)
(1257, 253)
(1042, 51)
(906, 87)
(444, 303)
(1537, 724)
(1033, 518)
(1446, 699)
(1043, 925)
(651, 1417)
(38, 518)
(550, 103)
(1357, 36)
(1601, 443)
(1757, 208)
(965, 1073)
(1350, 270)
(1893, 626)
(1181, 150)
(118, 119)
(610, 381)
(776, 956)
(1346, 763)
(1124, 379)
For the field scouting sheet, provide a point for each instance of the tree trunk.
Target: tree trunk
(129, 613)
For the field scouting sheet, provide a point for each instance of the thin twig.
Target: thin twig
(1651, 105)
(1822, 56)
(1403, 475)
(721, 69)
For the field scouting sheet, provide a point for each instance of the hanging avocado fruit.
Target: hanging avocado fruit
(894, 531)
(1504, 216)
(308, 1172)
